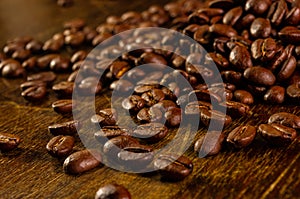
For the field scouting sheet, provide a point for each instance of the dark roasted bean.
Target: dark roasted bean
(66, 128)
(63, 106)
(165, 105)
(293, 91)
(34, 93)
(11, 68)
(173, 117)
(287, 69)
(34, 46)
(113, 146)
(151, 132)
(223, 30)
(133, 103)
(153, 96)
(290, 34)
(232, 16)
(194, 108)
(60, 146)
(257, 7)
(173, 168)
(109, 132)
(29, 84)
(105, 117)
(243, 96)
(89, 86)
(240, 58)
(82, 161)
(260, 76)
(64, 88)
(78, 56)
(8, 141)
(286, 119)
(277, 12)
(210, 143)
(232, 77)
(236, 109)
(205, 95)
(275, 95)
(114, 191)
(214, 119)
(241, 136)
(60, 64)
(277, 134)
(147, 115)
(121, 86)
(260, 27)
(74, 24)
(119, 68)
(47, 77)
(30, 64)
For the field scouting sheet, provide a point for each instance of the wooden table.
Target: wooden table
(257, 171)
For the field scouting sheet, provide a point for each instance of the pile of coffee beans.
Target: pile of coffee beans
(255, 45)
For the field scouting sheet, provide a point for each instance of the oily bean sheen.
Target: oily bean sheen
(66, 128)
(112, 191)
(243, 96)
(82, 161)
(47, 77)
(210, 143)
(133, 103)
(293, 91)
(215, 119)
(151, 132)
(29, 84)
(34, 93)
(109, 132)
(105, 117)
(240, 58)
(63, 89)
(113, 146)
(275, 95)
(260, 76)
(236, 109)
(8, 141)
(172, 167)
(60, 146)
(284, 118)
(241, 136)
(277, 134)
(63, 106)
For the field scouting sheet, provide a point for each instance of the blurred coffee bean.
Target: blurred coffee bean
(109, 132)
(8, 141)
(63, 89)
(35, 93)
(63, 106)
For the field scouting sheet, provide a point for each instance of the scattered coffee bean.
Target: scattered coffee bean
(241, 136)
(210, 143)
(109, 132)
(60, 146)
(151, 132)
(112, 191)
(8, 141)
(284, 118)
(34, 93)
(63, 106)
(105, 117)
(66, 128)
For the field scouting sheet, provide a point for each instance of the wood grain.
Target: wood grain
(257, 171)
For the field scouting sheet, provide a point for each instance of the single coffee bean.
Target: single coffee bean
(214, 119)
(78, 56)
(293, 91)
(232, 77)
(287, 69)
(243, 96)
(47, 77)
(34, 46)
(210, 143)
(121, 86)
(11, 68)
(236, 109)
(257, 90)
(54, 44)
(277, 12)
(140, 89)
(240, 58)
(173, 117)
(135, 158)
(112, 191)
(60, 64)
(89, 86)
(29, 84)
(172, 167)
(202, 34)
(153, 96)
(286, 119)
(60, 146)
(224, 93)
(151, 132)
(21, 54)
(260, 76)
(277, 134)
(75, 39)
(257, 7)
(119, 68)
(82, 161)
(275, 95)
(290, 34)
(241, 136)
(264, 49)
(147, 115)
(109, 132)
(133, 103)
(65, 128)
(205, 95)
(63, 89)
(105, 117)
(113, 146)
(194, 108)
(30, 64)
(223, 30)
(260, 28)
(63, 106)
(8, 141)
(232, 16)
(147, 58)
(34, 93)
(43, 62)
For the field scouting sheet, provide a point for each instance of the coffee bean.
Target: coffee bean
(75, 39)
(109, 132)
(29, 84)
(264, 49)
(63, 89)
(89, 86)
(34, 46)
(287, 69)
(30, 64)
(257, 7)
(60, 146)
(82, 161)
(223, 30)
(173, 117)
(194, 108)
(112, 191)
(231, 76)
(290, 34)
(65, 128)
(105, 117)
(277, 134)
(241, 136)
(78, 56)
(65, 3)
(113, 146)
(11, 68)
(210, 143)
(292, 17)
(232, 16)
(43, 63)
(287, 119)
(236, 109)
(63, 106)
(223, 4)
(119, 68)
(260, 76)
(151, 132)
(54, 44)
(260, 28)
(214, 119)
(293, 91)
(153, 96)
(243, 96)
(275, 95)
(74, 24)
(8, 141)
(147, 115)
(147, 58)
(277, 11)
(60, 64)
(47, 77)
(133, 103)
(172, 167)
(21, 54)
(240, 58)
(202, 34)
(121, 86)
(205, 95)
(34, 93)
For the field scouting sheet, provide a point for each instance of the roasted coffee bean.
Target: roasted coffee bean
(210, 143)
(75, 39)
(232, 16)
(293, 91)
(34, 93)
(232, 77)
(287, 69)
(241, 136)
(236, 109)
(54, 44)
(277, 12)
(260, 76)
(139, 89)
(113, 146)
(210, 12)
(227, 86)
(205, 95)
(214, 119)
(286, 119)
(105, 117)
(89, 86)
(243, 96)
(29, 84)
(264, 49)
(119, 68)
(74, 24)
(223, 4)
(292, 17)
(198, 18)
(63, 89)
(277, 134)
(63, 106)
(202, 34)
(220, 61)
(172, 167)
(47, 77)
(260, 28)
(109, 132)
(194, 108)
(112, 191)
(173, 117)
(224, 93)
(153, 96)
(223, 30)
(275, 95)
(78, 56)
(10, 48)
(60, 146)
(290, 34)
(121, 86)
(34, 46)
(21, 54)
(74, 75)
(82, 161)
(60, 64)
(135, 158)
(151, 132)
(147, 58)
(240, 58)
(257, 7)
(8, 141)
(11, 68)
(147, 115)
(165, 105)
(133, 103)
(65, 128)
(30, 64)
